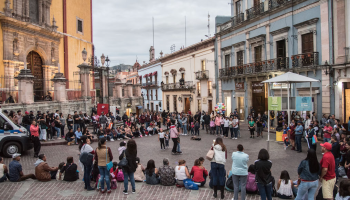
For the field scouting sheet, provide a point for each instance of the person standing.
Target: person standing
(184, 124)
(27, 121)
(239, 171)
(298, 136)
(310, 135)
(84, 146)
(218, 124)
(34, 130)
(272, 118)
(103, 120)
(251, 127)
(218, 166)
(130, 154)
(76, 121)
(336, 153)
(63, 124)
(174, 135)
(235, 125)
(226, 128)
(263, 175)
(327, 132)
(206, 119)
(328, 176)
(103, 155)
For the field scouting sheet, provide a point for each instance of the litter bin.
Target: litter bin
(279, 135)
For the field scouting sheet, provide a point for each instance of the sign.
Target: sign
(257, 84)
(275, 103)
(204, 100)
(240, 86)
(102, 108)
(278, 85)
(303, 104)
(257, 90)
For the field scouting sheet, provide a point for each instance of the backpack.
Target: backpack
(251, 184)
(86, 158)
(120, 175)
(114, 184)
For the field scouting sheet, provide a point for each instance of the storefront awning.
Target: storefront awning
(145, 76)
(139, 107)
(140, 77)
(150, 74)
(154, 73)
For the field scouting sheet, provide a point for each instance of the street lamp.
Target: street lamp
(330, 70)
(182, 82)
(180, 99)
(84, 54)
(103, 59)
(191, 99)
(107, 61)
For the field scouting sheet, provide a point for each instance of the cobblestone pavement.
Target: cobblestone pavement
(149, 148)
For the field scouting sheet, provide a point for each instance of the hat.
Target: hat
(327, 145)
(27, 113)
(16, 155)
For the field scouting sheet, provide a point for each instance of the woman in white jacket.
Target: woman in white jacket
(218, 172)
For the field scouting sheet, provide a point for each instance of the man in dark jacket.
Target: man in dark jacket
(206, 119)
(26, 121)
(125, 118)
(336, 153)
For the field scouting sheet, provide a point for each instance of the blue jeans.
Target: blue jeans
(3, 178)
(185, 128)
(326, 139)
(28, 128)
(58, 130)
(178, 147)
(147, 124)
(337, 166)
(76, 126)
(218, 130)
(87, 172)
(236, 132)
(298, 141)
(231, 130)
(265, 191)
(126, 180)
(104, 175)
(307, 187)
(218, 173)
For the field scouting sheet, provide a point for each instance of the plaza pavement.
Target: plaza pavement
(149, 148)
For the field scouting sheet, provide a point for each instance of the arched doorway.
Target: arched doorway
(34, 63)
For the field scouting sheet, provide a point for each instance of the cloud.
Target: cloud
(123, 29)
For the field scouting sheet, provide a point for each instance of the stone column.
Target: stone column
(25, 87)
(60, 87)
(104, 85)
(85, 80)
(117, 89)
(129, 88)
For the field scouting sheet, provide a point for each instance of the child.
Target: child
(3, 168)
(113, 175)
(196, 128)
(192, 128)
(150, 130)
(285, 137)
(122, 147)
(212, 125)
(139, 173)
(284, 186)
(167, 139)
(60, 166)
(161, 135)
(251, 186)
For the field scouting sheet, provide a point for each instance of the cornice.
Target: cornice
(238, 44)
(257, 38)
(279, 31)
(149, 64)
(306, 23)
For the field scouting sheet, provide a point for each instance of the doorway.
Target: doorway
(34, 63)
(187, 104)
(307, 44)
(157, 108)
(240, 106)
(228, 106)
(258, 97)
(152, 107)
(210, 106)
(128, 112)
(281, 54)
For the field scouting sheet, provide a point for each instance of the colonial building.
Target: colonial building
(188, 78)
(150, 78)
(46, 36)
(264, 39)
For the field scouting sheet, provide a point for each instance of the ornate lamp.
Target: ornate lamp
(182, 82)
(107, 61)
(84, 54)
(103, 59)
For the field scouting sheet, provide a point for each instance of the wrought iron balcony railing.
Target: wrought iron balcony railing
(202, 75)
(150, 84)
(277, 3)
(277, 64)
(237, 19)
(305, 60)
(188, 85)
(255, 11)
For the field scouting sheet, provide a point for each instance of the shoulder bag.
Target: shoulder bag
(210, 154)
(124, 161)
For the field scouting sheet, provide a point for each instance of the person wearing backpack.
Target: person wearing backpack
(251, 186)
(84, 147)
(239, 171)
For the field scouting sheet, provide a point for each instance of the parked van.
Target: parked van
(13, 138)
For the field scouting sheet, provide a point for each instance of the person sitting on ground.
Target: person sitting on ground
(69, 170)
(109, 134)
(43, 172)
(100, 132)
(78, 134)
(139, 174)
(122, 147)
(285, 186)
(60, 166)
(344, 190)
(15, 168)
(87, 133)
(151, 172)
(3, 171)
(70, 136)
(167, 174)
(128, 133)
(199, 173)
(181, 173)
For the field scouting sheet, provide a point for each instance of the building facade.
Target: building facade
(46, 36)
(264, 39)
(188, 78)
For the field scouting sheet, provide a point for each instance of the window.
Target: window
(151, 94)
(33, 10)
(239, 58)
(79, 26)
(238, 7)
(199, 104)
(258, 53)
(203, 65)
(175, 103)
(147, 106)
(167, 103)
(156, 94)
(123, 92)
(155, 80)
(210, 89)
(167, 80)
(199, 88)
(227, 61)
(183, 76)
(174, 78)
(307, 43)
(147, 95)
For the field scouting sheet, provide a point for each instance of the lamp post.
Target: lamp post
(84, 55)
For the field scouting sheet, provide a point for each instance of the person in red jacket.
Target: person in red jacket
(34, 131)
(199, 173)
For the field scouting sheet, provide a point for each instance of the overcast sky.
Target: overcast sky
(123, 28)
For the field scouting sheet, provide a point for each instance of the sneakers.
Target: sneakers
(133, 191)
(58, 138)
(118, 139)
(112, 140)
(235, 138)
(109, 191)
(125, 192)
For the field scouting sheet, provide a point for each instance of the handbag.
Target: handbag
(123, 162)
(110, 164)
(210, 155)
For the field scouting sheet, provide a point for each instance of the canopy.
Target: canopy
(154, 73)
(140, 77)
(290, 77)
(150, 74)
(145, 76)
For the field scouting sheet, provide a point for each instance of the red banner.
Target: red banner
(102, 108)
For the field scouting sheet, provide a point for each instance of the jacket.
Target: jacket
(239, 163)
(263, 171)
(219, 155)
(173, 132)
(217, 121)
(132, 165)
(103, 119)
(206, 119)
(101, 155)
(336, 149)
(304, 171)
(299, 130)
(34, 130)
(42, 171)
(26, 120)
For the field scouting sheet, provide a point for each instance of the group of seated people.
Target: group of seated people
(73, 137)
(43, 172)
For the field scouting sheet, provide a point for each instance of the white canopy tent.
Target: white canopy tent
(288, 78)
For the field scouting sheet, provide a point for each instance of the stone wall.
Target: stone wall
(122, 103)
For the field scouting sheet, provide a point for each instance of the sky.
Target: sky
(123, 28)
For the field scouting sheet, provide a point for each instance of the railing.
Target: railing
(150, 83)
(256, 67)
(210, 93)
(188, 85)
(255, 11)
(305, 60)
(237, 19)
(201, 75)
(277, 3)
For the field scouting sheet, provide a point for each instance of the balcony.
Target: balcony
(202, 75)
(237, 19)
(305, 60)
(277, 64)
(150, 84)
(177, 87)
(255, 11)
(210, 93)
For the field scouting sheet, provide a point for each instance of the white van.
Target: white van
(13, 138)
